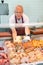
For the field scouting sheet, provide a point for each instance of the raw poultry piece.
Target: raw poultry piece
(37, 43)
(4, 60)
(32, 57)
(18, 39)
(1, 48)
(29, 49)
(9, 44)
(39, 54)
(24, 60)
(27, 44)
(35, 55)
(15, 59)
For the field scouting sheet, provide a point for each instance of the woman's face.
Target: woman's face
(18, 12)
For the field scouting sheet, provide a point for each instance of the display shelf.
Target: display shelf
(22, 25)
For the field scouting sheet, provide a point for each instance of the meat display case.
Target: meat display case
(34, 36)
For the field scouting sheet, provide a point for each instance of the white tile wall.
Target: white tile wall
(4, 19)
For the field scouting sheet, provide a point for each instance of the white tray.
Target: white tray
(35, 63)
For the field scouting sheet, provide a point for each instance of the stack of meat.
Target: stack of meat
(28, 52)
(4, 60)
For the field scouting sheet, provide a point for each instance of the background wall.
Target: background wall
(32, 8)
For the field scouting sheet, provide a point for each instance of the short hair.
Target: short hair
(20, 7)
